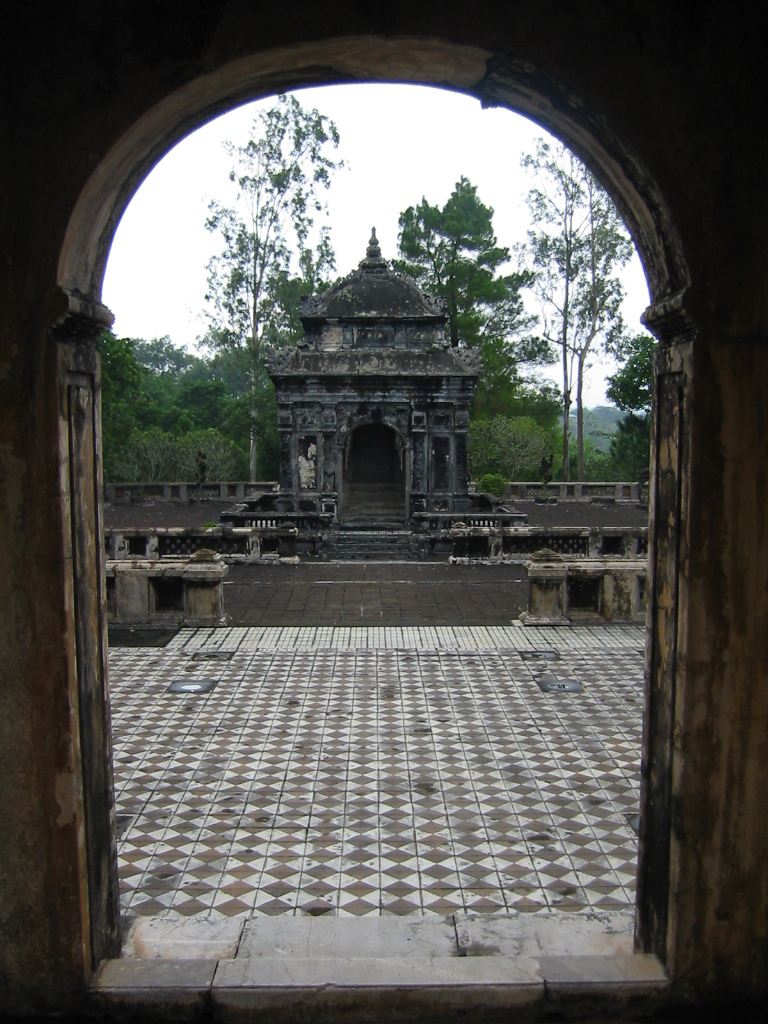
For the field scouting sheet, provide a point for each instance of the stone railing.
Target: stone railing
(573, 491)
(286, 536)
(269, 537)
(218, 490)
(583, 542)
(518, 543)
(183, 491)
(303, 522)
(440, 521)
(232, 543)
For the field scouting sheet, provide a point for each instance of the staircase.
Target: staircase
(374, 527)
(374, 503)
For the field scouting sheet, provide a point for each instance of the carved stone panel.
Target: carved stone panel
(286, 461)
(419, 476)
(462, 473)
(307, 462)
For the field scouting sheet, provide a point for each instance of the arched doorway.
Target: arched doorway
(374, 475)
(81, 267)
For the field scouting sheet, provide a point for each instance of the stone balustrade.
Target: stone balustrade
(453, 536)
(184, 491)
(615, 490)
(520, 542)
(216, 490)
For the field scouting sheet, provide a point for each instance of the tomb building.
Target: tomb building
(373, 402)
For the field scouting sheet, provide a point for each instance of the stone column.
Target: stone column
(702, 882)
(80, 482)
(461, 426)
(419, 462)
(328, 483)
(286, 472)
(667, 611)
(58, 880)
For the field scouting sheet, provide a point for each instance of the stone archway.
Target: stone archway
(374, 475)
(498, 81)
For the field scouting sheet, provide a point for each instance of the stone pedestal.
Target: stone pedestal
(183, 592)
(547, 600)
(619, 590)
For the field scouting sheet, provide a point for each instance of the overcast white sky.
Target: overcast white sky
(399, 143)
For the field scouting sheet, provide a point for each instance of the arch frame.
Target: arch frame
(344, 438)
(384, 420)
(492, 78)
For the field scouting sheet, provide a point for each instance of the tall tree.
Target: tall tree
(574, 249)
(280, 175)
(453, 252)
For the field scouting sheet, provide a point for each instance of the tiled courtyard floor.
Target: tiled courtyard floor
(376, 771)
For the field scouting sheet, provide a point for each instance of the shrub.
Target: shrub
(492, 483)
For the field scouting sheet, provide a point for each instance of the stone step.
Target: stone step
(369, 501)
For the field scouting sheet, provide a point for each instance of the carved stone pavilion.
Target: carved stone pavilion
(373, 414)
(373, 402)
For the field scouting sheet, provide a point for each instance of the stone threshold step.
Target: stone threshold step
(380, 989)
(347, 937)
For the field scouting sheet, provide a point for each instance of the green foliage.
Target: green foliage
(538, 400)
(630, 451)
(154, 455)
(453, 252)
(158, 402)
(205, 454)
(575, 248)
(124, 401)
(598, 464)
(512, 448)
(265, 420)
(162, 357)
(146, 455)
(630, 388)
(492, 483)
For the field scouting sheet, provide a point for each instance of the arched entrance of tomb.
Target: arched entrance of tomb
(495, 80)
(374, 475)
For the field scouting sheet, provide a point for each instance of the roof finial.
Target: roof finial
(373, 252)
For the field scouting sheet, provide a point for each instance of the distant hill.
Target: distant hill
(599, 424)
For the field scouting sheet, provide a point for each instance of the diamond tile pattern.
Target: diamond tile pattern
(376, 780)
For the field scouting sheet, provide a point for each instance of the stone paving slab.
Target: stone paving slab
(326, 776)
(349, 938)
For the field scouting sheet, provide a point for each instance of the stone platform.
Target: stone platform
(374, 594)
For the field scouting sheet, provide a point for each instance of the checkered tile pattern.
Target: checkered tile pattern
(464, 638)
(375, 780)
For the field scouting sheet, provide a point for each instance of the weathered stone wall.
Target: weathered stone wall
(667, 102)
